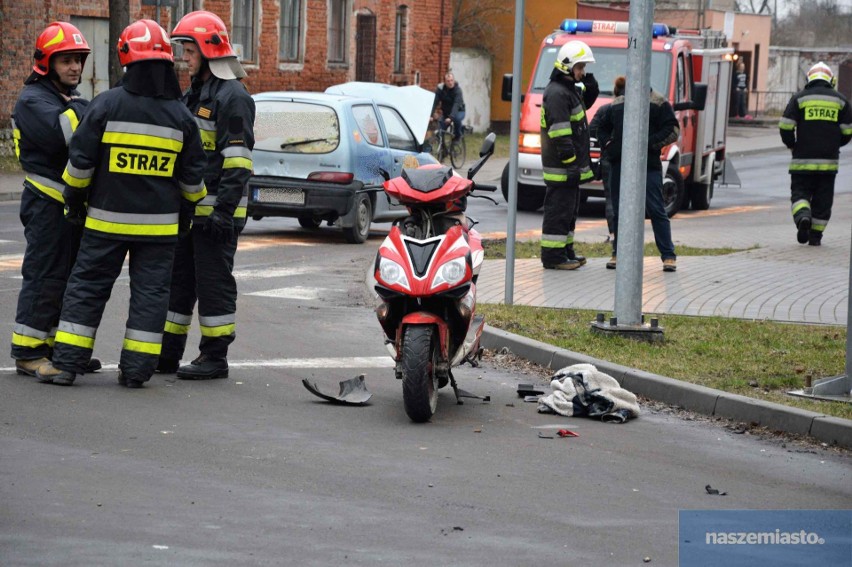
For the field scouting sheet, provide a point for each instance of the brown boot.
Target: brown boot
(49, 374)
(611, 264)
(29, 367)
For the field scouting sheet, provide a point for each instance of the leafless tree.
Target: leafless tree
(473, 23)
(119, 18)
(813, 23)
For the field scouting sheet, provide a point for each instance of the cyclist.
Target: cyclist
(450, 102)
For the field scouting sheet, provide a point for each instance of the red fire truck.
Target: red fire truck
(692, 69)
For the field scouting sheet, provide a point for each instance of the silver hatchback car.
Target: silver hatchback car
(314, 152)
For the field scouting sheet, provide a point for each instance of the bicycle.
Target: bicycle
(444, 146)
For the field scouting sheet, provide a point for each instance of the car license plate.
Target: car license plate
(281, 195)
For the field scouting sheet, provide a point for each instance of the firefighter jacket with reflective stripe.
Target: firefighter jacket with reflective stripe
(136, 157)
(224, 112)
(42, 124)
(565, 129)
(815, 124)
(663, 129)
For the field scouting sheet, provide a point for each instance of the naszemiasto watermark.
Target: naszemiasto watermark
(777, 537)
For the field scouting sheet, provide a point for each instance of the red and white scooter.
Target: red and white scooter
(426, 271)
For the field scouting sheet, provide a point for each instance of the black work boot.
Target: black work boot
(569, 264)
(574, 256)
(815, 238)
(49, 374)
(204, 368)
(804, 226)
(128, 382)
(167, 365)
(93, 365)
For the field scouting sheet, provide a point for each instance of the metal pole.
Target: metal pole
(848, 387)
(514, 133)
(631, 214)
(158, 11)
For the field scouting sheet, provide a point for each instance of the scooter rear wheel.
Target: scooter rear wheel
(419, 380)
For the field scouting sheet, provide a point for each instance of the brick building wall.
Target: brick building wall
(428, 41)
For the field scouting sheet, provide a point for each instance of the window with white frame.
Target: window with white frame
(244, 32)
(338, 24)
(290, 47)
(400, 39)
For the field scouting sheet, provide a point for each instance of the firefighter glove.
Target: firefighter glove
(187, 211)
(220, 227)
(75, 205)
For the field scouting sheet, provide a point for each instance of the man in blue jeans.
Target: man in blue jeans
(662, 130)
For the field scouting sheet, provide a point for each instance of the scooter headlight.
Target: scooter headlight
(392, 273)
(451, 273)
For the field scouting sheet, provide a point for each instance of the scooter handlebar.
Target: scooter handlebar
(490, 188)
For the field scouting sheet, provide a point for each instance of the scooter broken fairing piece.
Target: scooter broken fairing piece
(352, 392)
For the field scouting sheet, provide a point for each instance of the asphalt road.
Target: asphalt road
(254, 470)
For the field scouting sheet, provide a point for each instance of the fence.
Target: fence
(768, 103)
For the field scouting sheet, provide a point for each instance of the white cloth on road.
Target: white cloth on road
(583, 390)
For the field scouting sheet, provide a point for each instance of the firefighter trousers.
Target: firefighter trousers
(561, 206)
(203, 273)
(51, 249)
(99, 263)
(812, 195)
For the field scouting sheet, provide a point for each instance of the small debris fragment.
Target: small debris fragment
(566, 433)
(478, 430)
(711, 490)
(541, 435)
(647, 560)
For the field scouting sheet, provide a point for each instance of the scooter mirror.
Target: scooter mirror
(488, 145)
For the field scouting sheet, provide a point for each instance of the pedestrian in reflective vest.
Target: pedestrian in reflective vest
(45, 116)
(815, 124)
(204, 261)
(134, 174)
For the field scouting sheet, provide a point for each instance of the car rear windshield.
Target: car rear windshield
(296, 127)
(609, 63)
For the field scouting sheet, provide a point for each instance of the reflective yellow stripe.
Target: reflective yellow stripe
(77, 182)
(72, 118)
(553, 243)
(16, 135)
(75, 340)
(208, 139)
(570, 159)
(49, 191)
(586, 175)
(143, 347)
(24, 341)
(577, 117)
(234, 162)
(559, 133)
(813, 167)
(555, 177)
(142, 140)
(176, 329)
(220, 331)
(132, 229)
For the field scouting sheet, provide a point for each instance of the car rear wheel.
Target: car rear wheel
(360, 230)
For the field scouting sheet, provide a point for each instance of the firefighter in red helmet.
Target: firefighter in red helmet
(43, 120)
(134, 175)
(204, 261)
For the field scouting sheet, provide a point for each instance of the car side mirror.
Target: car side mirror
(506, 91)
(426, 148)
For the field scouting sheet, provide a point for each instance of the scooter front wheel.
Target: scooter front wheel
(419, 380)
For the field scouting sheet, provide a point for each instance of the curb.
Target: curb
(700, 399)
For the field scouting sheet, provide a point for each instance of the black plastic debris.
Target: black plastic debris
(542, 435)
(525, 390)
(352, 392)
(711, 490)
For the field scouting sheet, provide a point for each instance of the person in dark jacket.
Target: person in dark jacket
(450, 101)
(565, 152)
(815, 124)
(45, 116)
(603, 160)
(204, 262)
(134, 160)
(662, 130)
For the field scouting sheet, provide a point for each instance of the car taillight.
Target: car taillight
(595, 154)
(332, 176)
(529, 143)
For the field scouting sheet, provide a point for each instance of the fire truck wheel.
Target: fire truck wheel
(672, 191)
(701, 194)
